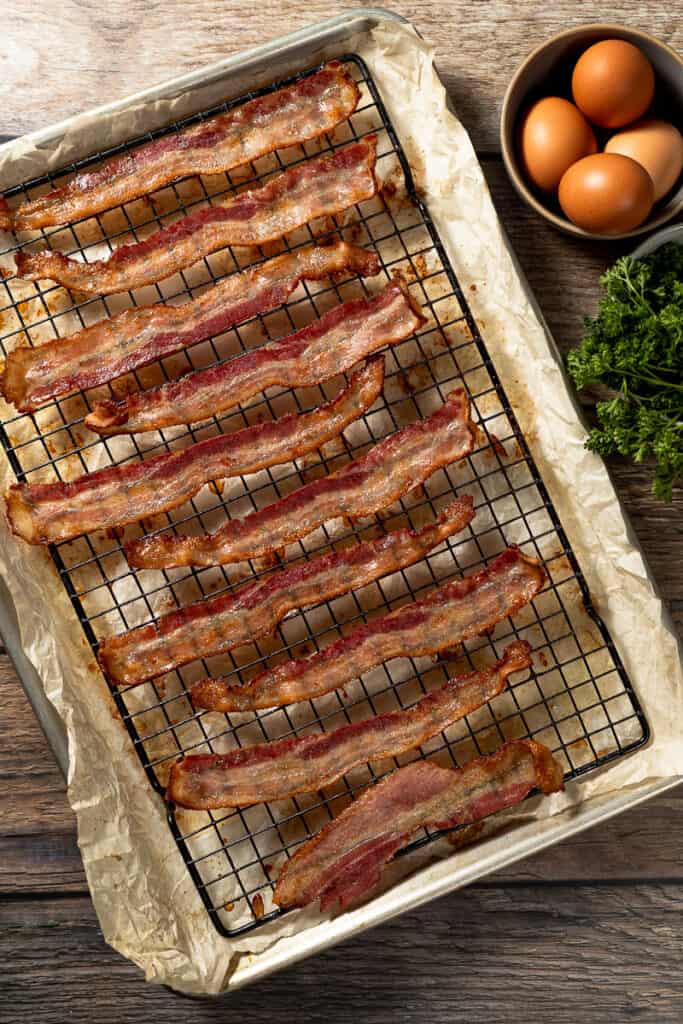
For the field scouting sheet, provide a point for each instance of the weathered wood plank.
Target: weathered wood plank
(643, 844)
(41, 862)
(39, 853)
(32, 790)
(38, 849)
(576, 954)
(63, 57)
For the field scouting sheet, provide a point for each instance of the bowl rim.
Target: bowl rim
(563, 223)
(674, 233)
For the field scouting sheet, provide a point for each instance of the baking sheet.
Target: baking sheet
(143, 895)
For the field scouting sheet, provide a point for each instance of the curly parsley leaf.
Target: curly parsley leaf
(634, 348)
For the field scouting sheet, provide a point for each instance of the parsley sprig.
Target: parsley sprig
(634, 348)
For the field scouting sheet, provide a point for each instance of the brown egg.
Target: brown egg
(613, 83)
(606, 194)
(553, 136)
(655, 145)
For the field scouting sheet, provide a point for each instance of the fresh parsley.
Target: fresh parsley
(634, 348)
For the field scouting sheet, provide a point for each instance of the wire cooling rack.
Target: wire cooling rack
(577, 700)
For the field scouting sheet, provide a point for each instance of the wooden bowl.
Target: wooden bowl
(547, 72)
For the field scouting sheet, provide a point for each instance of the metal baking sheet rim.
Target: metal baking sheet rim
(297, 46)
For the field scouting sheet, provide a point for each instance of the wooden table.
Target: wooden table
(588, 931)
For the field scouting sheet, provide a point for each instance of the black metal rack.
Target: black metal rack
(578, 700)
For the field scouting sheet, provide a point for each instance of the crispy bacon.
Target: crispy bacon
(391, 468)
(136, 337)
(455, 611)
(284, 768)
(221, 623)
(328, 346)
(49, 513)
(314, 188)
(283, 118)
(344, 861)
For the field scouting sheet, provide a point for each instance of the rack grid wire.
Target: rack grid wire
(577, 699)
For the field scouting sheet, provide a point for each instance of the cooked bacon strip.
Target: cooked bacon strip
(344, 861)
(391, 468)
(330, 345)
(136, 337)
(455, 611)
(218, 625)
(49, 513)
(290, 115)
(313, 188)
(284, 768)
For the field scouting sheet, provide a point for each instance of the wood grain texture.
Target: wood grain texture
(577, 955)
(605, 947)
(58, 58)
(38, 849)
(39, 852)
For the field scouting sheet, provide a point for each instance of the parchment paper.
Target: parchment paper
(145, 900)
